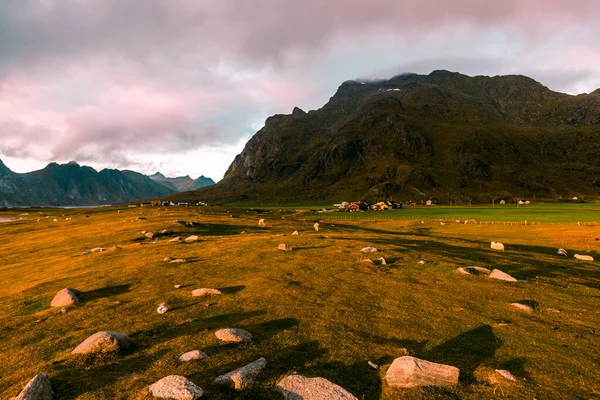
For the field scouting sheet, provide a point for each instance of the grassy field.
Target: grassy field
(316, 311)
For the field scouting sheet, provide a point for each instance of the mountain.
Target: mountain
(182, 183)
(444, 135)
(74, 185)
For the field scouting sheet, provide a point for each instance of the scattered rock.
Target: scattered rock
(295, 233)
(103, 342)
(368, 261)
(316, 226)
(497, 246)
(98, 249)
(473, 270)
(505, 374)
(203, 292)
(407, 372)
(167, 259)
(503, 323)
(177, 260)
(285, 247)
(175, 387)
(64, 297)
(381, 261)
(523, 307)
(497, 274)
(162, 308)
(244, 377)
(166, 232)
(150, 235)
(192, 355)
(261, 222)
(552, 310)
(298, 387)
(191, 239)
(234, 335)
(584, 258)
(177, 286)
(368, 250)
(562, 252)
(422, 262)
(175, 240)
(62, 311)
(38, 388)
(373, 365)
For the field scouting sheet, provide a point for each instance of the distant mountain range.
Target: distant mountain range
(182, 183)
(443, 136)
(74, 185)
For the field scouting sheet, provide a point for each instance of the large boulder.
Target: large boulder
(39, 388)
(503, 276)
(298, 387)
(103, 342)
(64, 297)
(203, 292)
(234, 335)
(244, 377)
(175, 387)
(408, 372)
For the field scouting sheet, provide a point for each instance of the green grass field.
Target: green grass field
(316, 311)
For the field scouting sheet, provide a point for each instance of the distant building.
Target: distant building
(502, 202)
(428, 202)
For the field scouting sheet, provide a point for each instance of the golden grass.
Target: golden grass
(316, 311)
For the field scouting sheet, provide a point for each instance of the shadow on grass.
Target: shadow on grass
(517, 367)
(107, 291)
(232, 289)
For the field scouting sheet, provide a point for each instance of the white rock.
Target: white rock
(285, 247)
(368, 261)
(38, 388)
(316, 226)
(166, 232)
(103, 342)
(177, 260)
(298, 387)
(244, 377)
(177, 286)
(368, 250)
(203, 292)
(64, 297)
(295, 233)
(162, 308)
(98, 249)
(150, 235)
(234, 335)
(408, 372)
(523, 307)
(562, 252)
(584, 258)
(497, 274)
(373, 365)
(497, 246)
(422, 262)
(505, 374)
(192, 355)
(191, 239)
(382, 261)
(473, 270)
(167, 259)
(175, 387)
(261, 222)
(175, 240)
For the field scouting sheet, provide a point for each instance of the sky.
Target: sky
(179, 86)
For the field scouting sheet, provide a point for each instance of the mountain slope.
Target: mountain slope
(444, 135)
(182, 183)
(74, 185)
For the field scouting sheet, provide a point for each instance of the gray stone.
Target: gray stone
(192, 355)
(162, 308)
(175, 387)
(244, 377)
(408, 372)
(298, 387)
(98, 249)
(150, 235)
(295, 233)
(503, 276)
(234, 335)
(38, 388)
(203, 292)
(191, 239)
(368, 250)
(64, 297)
(177, 261)
(103, 342)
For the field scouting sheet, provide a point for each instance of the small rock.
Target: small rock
(150, 235)
(285, 247)
(203, 292)
(192, 355)
(552, 310)
(503, 323)
(191, 239)
(295, 233)
(298, 387)
(506, 374)
(523, 307)
(103, 342)
(98, 249)
(38, 388)
(381, 261)
(234, 335)
(497, 274)
(497, 246)
(244, 377)
(166, 232)
(175, 240)
(473, 270)
(422, 262)
(162, 308)
(64, 297)
(316, 226)
(177, 260)
(373, 365)
(175, 387)
(261, 222)
(167, 259)
(143, 232)
(562, 252)
(62, 311)
(177, 286)
(584, 258)
(368, 250)
(408, 372)
(368, 261)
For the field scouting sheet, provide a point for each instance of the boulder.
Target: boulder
(98, 249)
(408, 372)
(316, 226)
(298, 387)
(203, 292)
(166, 232)
(503, 276)
(473, 270)
(191, 239)
(285, 247)
(192, 355)
(162, 308)
(562, 252)
(523, 307)
(234, 335)
(584, 258)
(64, 297)
(497, 246)
(177, 260)
(103, 342)
(244, 377)
(175, 387)
(368, 250)
(150, 235)
(261, 222)
(38, 388)
(505, 374)
(175, 240)
(295, 233)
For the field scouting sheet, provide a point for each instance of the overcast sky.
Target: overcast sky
(179, 86)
